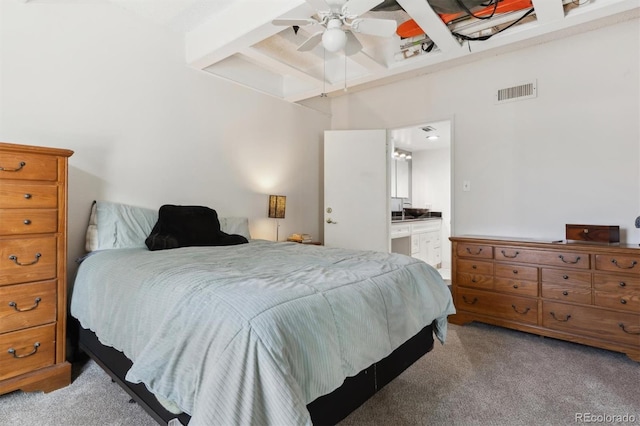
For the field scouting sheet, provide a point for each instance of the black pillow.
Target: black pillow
(185, 226)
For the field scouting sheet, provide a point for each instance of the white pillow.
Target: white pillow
(115, 225)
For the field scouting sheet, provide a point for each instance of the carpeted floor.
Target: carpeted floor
(483, 375)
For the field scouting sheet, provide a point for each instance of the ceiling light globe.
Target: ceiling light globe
(334, 39)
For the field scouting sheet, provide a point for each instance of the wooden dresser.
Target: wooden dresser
(583, 293)
(33, 277)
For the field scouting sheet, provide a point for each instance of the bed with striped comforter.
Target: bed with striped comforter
(250, 334)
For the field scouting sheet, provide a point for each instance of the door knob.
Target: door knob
(329, 209)
(329, 220)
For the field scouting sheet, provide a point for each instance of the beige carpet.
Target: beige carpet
(484, 375)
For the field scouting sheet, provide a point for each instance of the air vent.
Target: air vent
(517, 93)
(427, 129)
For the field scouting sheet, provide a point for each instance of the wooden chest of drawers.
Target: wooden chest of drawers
(33, 279)
(583, 293)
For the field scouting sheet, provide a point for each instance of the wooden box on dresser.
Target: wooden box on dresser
(583, 293)
(33, 278)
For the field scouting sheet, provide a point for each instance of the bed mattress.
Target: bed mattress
(250, 334)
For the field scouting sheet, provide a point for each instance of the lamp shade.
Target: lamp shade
(277, 206)
(334, 39)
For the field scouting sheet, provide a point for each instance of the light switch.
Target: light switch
(466, 185)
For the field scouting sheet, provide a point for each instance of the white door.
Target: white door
(356, 190)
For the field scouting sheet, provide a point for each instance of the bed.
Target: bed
(254, 333)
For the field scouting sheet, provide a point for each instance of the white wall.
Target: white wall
(572, 155)
(146, 129)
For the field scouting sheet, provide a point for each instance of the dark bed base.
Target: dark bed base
(326, 410)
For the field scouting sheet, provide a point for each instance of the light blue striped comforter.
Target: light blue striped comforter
(250, 334)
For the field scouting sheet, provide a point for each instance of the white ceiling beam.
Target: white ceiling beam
(430, 22)
(259, 58)
(242, 24)
(548, 11)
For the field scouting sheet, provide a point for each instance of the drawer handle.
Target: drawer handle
(560, 319)
(474, 280)
(515, 271)
(27, 222)
(474, 267)
(17, 262)
(621, 325)
(623, 301)
(515, 286)
(476, 253)
(568, 261)
(14, 305)
(36, 345)
(633, 263)
(622, 284)
(565, 293)
(473, 302)
(521, 313)
(22, 164)
(565, 277)
(510, 257)
(27, 196)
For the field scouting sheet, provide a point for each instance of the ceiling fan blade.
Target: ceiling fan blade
(319, 5)
(353, 45)
(354, 8)
(375, 27)
(290, 22)
(311, 42)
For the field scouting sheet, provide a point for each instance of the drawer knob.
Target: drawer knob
(27, 222)
(621, 325)
(624, 302)
(17, 262)
(515, 271)
(510, 257)
(473, 302)
(565, 293)
(476, 253)
(560, 319)
(521, 313)
(565, 277)
(14, 305)
(568, 261)
(36, 345)
(633, 263)
(27, 196)
(515, 286)
(4, 169)
(622, 284)
(474, 267)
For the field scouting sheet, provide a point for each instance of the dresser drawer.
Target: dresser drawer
(616, 283)
(27, 259)
(475, 251)
(474, 280)
(529, 273)
(28, 196)
(28, 221)
(503, 306)
(566, 293)
(474, 266)
(607, 325)
(515, 286)
(618, 263)
(570, 278)
(27, 166)
(27, 305)
(625, 302)
(26, 350)
(566, 259)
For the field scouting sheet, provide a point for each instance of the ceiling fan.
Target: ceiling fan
(341, 19)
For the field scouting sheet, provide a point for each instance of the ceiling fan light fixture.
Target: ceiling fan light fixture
(334, 39)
